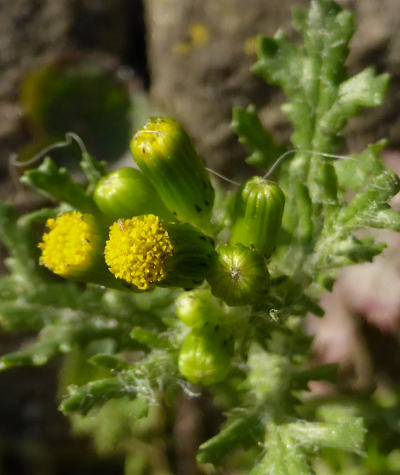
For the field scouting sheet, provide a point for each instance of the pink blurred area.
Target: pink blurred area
(365, 295)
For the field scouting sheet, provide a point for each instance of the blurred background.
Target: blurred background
(99, 68)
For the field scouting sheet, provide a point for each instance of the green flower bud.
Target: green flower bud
(146, 251)
(257, 216)
(165, 154)
(125, 193)
(205, 356)
(197, 307)
(238, 275)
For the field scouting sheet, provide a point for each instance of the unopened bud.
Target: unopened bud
(205, 356)
(197, 307)
(125, 193)
(257, 215)
(238, 275)
(165, 154)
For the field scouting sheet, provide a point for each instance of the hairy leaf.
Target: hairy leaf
(252, 134)
(94, 170)
(56, 183)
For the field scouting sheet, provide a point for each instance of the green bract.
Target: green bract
(165, 154)
(257, 215)
(205, 356)
(127, 192)
(193, 254)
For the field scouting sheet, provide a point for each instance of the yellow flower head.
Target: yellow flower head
(71, 245)
(155, 136)
(137, 250)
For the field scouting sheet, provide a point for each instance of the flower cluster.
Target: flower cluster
(157, 219)
(246, 282)
(153, 227)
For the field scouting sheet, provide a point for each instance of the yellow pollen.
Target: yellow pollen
(137, 249)
(154, 136)
(70, 245)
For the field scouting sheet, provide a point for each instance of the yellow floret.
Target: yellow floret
(71, 245)
(137, 250)
(153, 136)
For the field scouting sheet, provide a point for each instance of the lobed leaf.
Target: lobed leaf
(243, 430)
(345, 435)
(155, 373)
(252, 134)
(93, 169)
(69, 331)
(82, 399)
(57, 184)
(337, 246)
(354, 172)
(18, 235)
(284, 455)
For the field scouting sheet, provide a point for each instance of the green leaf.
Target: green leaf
(354, 172)
(65, 327)
(93, 169)
(150, 339)
(155, 373)
(281, 63)
(37, 354)
(9, 289)
(321, 99)
(110, 362)
(298, 227)
(56, 183)
(252, 134)
(369, 207)
(309, 75)
(346, 252)
(348, 436)
(337, 247)
(82, 399)
(286, 444)
(283, 457)
(22, 315)
(275, 388)
(19, 237)
(240, 430)
(365, 89)
(327, 372)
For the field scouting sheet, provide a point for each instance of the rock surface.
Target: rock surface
(200, 53)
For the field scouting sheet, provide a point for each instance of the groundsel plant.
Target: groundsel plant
(163, 284)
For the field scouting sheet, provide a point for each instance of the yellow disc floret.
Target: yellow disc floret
(71, 245)
(137, 250)
(155, 136)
